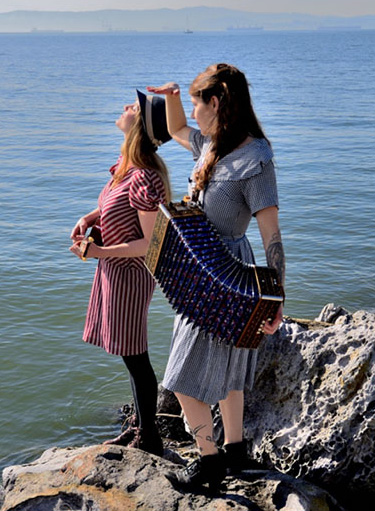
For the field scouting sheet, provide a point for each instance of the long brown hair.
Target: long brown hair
(138, 151)
(236, 119)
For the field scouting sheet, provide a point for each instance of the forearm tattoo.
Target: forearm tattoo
(275, 255)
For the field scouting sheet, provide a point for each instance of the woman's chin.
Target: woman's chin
(120, 125)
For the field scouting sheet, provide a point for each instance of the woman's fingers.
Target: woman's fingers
(169, 88)
(271, 327)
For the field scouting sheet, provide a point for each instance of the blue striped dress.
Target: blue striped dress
(243, 183)
(116, 319)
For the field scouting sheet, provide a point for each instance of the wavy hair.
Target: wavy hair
(138, 151)
(236, 118)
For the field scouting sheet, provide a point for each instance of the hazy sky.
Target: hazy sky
(323, 7)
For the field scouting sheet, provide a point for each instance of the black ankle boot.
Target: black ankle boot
(208, 469)
(148, 440)
(236, 458)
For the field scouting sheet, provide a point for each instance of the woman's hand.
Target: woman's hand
(168, 89)
(79, 230)
(271, 327)
(78, 250)
(86, 248)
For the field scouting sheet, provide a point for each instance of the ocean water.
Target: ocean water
(59, 97)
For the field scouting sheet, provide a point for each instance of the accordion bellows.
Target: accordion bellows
(205, 282)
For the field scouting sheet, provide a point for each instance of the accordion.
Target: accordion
(205, 282)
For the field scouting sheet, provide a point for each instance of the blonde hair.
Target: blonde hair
(138, 151)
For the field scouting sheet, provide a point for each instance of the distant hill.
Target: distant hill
(171, 20)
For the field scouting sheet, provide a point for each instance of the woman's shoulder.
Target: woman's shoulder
(146, 190)
(245, 161)
(198, 142)
(146, 178)
(148, 174)
(256, 150)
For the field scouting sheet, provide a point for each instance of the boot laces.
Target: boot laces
(131, 422)
(192, 468)
(137, 439)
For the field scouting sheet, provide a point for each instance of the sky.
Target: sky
(319, 7)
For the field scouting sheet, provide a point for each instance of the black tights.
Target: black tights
(144, 387)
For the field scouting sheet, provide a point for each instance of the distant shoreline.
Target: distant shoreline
(186, 20)
(231, 32)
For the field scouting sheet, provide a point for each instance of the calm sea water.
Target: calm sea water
(59, 97)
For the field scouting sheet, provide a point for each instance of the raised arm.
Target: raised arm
(176, 118)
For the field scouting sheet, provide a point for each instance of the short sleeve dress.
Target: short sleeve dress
(122, 289)
(243, 183)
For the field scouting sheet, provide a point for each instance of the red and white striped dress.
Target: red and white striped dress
(122, 289)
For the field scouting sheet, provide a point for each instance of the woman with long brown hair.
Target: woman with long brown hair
(233, 180)
(122, 289)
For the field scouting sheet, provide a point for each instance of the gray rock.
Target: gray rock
(311, 413)
(331, 313)
(310, 420)
(114, 478)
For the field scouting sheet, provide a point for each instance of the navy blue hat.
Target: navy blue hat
(154, 118)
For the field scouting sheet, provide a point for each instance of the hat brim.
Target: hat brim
(154, 118)
(142, 98)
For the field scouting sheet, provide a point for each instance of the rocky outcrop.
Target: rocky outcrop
(309, 420)
(311, 413)
(113, 478)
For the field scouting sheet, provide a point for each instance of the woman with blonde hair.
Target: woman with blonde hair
(122, 289)
(233, 180)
